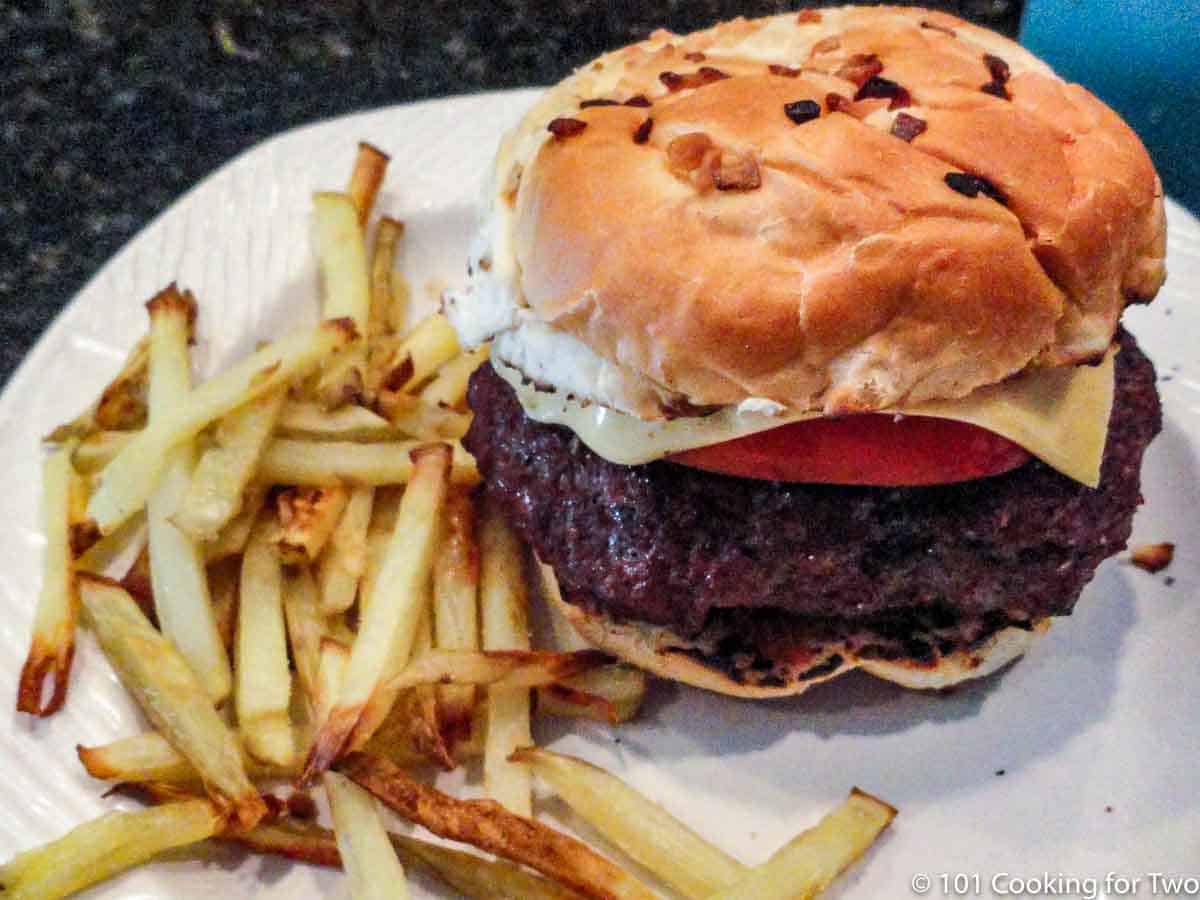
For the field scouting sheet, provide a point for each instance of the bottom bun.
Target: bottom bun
(661, 652)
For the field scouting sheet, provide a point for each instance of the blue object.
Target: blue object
(1142, 58)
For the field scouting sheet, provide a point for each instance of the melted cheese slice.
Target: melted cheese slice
(1059, 415)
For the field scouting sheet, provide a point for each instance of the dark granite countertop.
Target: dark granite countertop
(109, 111)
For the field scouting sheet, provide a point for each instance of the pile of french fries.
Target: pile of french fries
(310, 593)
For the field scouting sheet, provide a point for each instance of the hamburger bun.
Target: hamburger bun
(835, 259)
(658, 650)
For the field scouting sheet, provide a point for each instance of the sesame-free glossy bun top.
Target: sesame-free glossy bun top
(839, 209)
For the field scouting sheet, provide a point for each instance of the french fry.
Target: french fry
(103, 847)
(171, 312)
(52, 644)
(223, 472)
(149, 757)
(129, 479)
(448, 388)
(366, 853)
(344, 561)
(404, 363)
(115, 546)
(170, 695)
(503, 669)
(370, 164)
(142, 757)
(379, 535)
(418, 417)
(470, 875)
(507, 725)
(81, 531)
(262, 685)
(456, 607)
(180, 584)
(298, 841)
(806, 865)
(340, 630)
(411, 734)
(139, 585)
(121, 406)
(386, 510)
(390, 620)
(307, 517)
(563, 635)
(331, 671)
(231, 540)
(474, 876)
(489, 826)
(223, 578)
(383, 299)
(504, 624)
(395, 739)
(412, 708)
(341, 382)
(97, 450)
(378, 540)
(342, 257)
(385, 367)
(407, 735)
(300, 805)
(637, 825)
(332, 656)
(611, 694)
(394, 742)
(154, 793)
(290, 461)
(401, 294)
(419, 705)
(305, 629)
(310, 421)
(572, 703)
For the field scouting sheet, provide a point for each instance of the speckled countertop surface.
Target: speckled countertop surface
(109, 111)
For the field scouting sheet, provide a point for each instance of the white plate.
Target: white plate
(1096, 731)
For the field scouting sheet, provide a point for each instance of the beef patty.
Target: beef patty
(742, 567)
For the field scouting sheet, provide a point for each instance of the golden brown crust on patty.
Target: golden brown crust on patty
(740, 249)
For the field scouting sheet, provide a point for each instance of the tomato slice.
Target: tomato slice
(868, 449)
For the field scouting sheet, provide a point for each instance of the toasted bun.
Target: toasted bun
(661, 652)
(726, 252)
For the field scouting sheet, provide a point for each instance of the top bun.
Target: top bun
(844, 209)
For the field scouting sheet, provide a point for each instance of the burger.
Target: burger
(806, 351)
